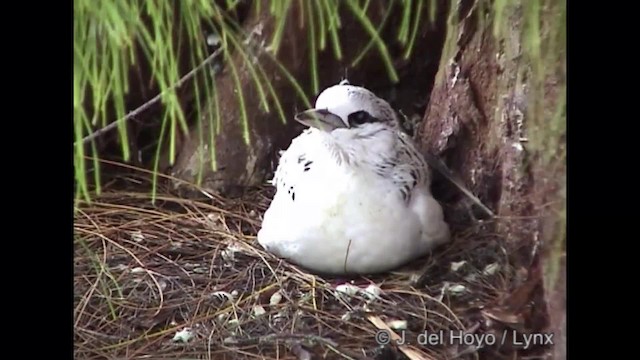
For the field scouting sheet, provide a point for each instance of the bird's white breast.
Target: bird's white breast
(332, 216)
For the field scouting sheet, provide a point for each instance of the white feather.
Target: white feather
(344, 213)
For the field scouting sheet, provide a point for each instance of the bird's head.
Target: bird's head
(348, 107)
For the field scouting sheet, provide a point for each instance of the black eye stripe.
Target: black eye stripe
(360, 117)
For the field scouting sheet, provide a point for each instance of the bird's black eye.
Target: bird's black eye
(360, 117)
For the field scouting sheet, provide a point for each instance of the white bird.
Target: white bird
(353, 193)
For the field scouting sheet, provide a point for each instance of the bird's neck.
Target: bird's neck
(366, 147)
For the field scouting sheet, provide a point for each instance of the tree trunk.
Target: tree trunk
(479, 120)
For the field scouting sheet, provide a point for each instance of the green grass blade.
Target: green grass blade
(334, 25)
(384, 53)
(214, 127)
(252, 69)
(335, 6)
(200, 133)
(319, 12)
(244, 120)
(414, 30)
(371, 42)
(403, 34)
(238, 29)
(96, 162)
(156, 160)
(281, 19)
(313, 51)
(118, 98)
(433, 8)
(80, 170)
(292, 81)
(296, 85)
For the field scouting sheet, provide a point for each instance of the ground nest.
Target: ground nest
(185, 278)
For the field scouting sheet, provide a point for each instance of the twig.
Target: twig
(409, 351)
(435, 163)
(154, 100)
(439, 166)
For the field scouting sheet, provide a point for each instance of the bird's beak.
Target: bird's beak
(321, 119)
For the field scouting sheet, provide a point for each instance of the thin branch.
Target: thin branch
(157, 98)
(438, 165)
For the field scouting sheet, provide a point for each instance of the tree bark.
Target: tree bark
(477, 120)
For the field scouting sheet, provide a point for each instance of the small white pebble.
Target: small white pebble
(234, 293)
(183, 335)
(163, 284)
(456, 289)
(398, 324)
(491, 269)
(414, 278)
(372, 292)
(213, 217)
(456, 265)
(275, 298)
(258, 310)
(137, 270)
(347, 289)
(120, 267)
(137, 236)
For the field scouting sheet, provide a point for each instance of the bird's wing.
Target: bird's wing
(293, 164)
(406, 167)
